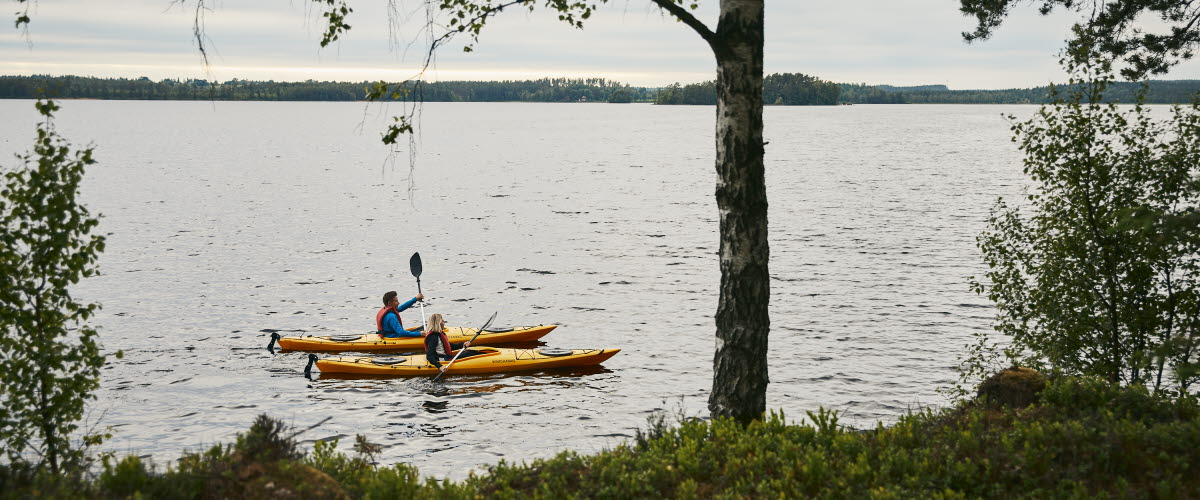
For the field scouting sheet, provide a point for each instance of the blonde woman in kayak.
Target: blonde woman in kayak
(437, 344)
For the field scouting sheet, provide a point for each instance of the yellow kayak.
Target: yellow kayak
(475, 360)
(374, 342)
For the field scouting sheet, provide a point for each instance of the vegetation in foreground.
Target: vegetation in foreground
(1081, 437)
(1095, 270)
(50, 359)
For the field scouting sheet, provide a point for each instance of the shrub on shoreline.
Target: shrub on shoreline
(1083, 438)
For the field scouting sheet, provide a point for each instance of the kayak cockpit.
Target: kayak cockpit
(475, 352)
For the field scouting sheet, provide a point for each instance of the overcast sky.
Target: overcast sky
(900, 42)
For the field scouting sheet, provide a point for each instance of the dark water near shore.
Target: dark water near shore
(228, 219)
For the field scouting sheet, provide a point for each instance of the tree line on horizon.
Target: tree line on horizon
(788, 89)
(1157, 92)
(791, 89)
(143, 88)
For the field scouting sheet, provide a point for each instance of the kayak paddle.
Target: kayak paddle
(460, 351)
(414, 265)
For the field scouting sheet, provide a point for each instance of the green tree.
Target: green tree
(49, 359)
(780, 88)
(671, 94)
(1098, 272)
(1114, 27)
(620, 96)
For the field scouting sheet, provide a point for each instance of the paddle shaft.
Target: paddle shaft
(460, 351)
(421, 303)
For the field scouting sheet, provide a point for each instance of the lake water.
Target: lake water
(228, 219)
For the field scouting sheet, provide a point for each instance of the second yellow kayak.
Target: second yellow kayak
(477, 360)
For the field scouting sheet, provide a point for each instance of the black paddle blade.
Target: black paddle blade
(414, 264)
(489, 321)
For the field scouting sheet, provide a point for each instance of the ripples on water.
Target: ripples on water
(230, 220)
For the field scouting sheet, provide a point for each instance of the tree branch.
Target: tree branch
(687, 18)
(465, 26)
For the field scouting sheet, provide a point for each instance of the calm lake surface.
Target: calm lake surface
(228, 219)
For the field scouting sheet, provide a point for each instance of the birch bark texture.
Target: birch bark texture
(740, 375)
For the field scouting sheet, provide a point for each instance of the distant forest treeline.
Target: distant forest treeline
(780, 89)
(543, 90)
(798, 89)
(1158, 92)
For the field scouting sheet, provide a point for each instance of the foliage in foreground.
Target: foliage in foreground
(1083, 438)
(49, 358)
(1097, 271)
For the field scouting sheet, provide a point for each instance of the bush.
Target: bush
(49, 356)
(1082, 437)
(264, 462)
(1096, 270)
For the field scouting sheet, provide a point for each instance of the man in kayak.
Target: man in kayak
(387, 320)
(437, 344)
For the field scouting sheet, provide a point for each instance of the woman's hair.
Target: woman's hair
(436, 323)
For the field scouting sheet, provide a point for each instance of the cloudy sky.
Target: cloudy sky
(900, 42)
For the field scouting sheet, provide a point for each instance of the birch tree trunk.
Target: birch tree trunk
(740, 363)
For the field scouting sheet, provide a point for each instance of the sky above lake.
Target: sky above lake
(909, 42)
